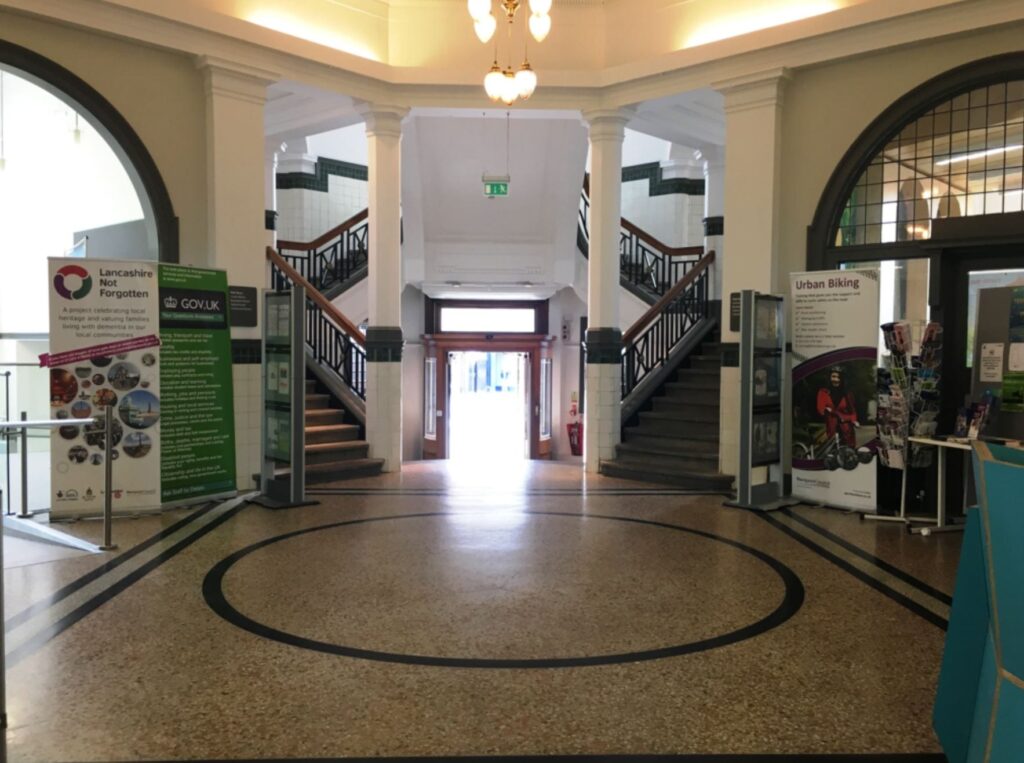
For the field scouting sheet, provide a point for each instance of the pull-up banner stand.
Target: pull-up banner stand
(762, 391)
(151, 341)
(283, 482)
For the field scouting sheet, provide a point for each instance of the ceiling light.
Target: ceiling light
(507, 85)
(978, 155)
(479, 8)
(484, 27)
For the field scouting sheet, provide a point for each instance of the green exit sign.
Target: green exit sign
(495, 189)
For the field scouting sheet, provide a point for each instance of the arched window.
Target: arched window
(962, 157)
(930, 170)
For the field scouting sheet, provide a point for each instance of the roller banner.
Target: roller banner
(835, 357)
(151, 342)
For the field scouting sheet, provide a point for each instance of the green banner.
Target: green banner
(197, 416)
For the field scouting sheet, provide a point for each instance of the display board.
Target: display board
(835, 355)
(998, 363)
(152, 341)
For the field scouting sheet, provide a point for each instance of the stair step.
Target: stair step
(700, 373)
(327, 452)
(695, 461)
(702, 382)
(317, 401)
(674, 406)
(310, 386)
(682, 445)
(329, 433)
(671, 428)
(322, 416)
(696, 396)
(711, 482)
(705, 361)
(343, 470)
(685, 413)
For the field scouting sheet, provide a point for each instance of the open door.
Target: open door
(543, 404)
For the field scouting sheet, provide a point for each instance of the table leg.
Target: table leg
(940, 490)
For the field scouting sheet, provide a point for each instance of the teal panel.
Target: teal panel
(1008, 455)
(1004, 485)
(982, 708)
(1008, 740)
(965, 646)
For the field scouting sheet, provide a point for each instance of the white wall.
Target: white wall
(303, 214)
(564, 306)
(675, 219)
(346, 144)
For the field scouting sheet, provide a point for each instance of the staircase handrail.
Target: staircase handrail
(314, 294)
(305, 246)
(647, 267)
(670, 296)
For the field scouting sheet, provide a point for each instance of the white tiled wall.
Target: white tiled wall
(303, 215)
(384, 413)
(248, 413)
(675, 219)
(603, 426)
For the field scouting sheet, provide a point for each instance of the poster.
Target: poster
(150, 342)
(991, 369)
(835, 352)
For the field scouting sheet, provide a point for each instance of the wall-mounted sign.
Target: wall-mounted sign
(242, 304)
(496, 185)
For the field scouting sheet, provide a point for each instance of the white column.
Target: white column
(384, 283)
(236, 237)
(602, 411)
(753, 145)
(714, 214)
(272, 149)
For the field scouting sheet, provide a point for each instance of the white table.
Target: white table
(942, 446)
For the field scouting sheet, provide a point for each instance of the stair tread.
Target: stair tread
(641, 431)
(641, 449)
(332, 427)
(349, 465)
(321, 447)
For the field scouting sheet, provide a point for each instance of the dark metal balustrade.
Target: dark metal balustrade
(334, 258)
(334, 341)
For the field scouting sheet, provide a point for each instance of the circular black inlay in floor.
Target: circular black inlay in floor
(792, 599)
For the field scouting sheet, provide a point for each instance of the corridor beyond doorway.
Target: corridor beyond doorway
(488, 400)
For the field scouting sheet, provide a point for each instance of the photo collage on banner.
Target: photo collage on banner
(835, 357)
(150, 342)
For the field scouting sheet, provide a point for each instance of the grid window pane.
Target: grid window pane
(962, 157)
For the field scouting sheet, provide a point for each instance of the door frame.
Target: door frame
(437, 347)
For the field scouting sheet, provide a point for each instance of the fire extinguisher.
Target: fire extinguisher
(575, 430)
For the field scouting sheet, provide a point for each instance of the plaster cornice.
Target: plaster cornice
(844, 33)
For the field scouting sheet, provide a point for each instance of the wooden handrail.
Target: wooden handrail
(334, 232)
(665, 249)
(314, 294)
(670, 296)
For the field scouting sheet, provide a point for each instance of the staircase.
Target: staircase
(675, 441)
(333, 448)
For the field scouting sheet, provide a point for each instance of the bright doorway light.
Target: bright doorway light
(488, 399)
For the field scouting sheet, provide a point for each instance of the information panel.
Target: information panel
(150, 340)
(835, 351)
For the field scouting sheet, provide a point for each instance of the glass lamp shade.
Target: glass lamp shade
(479, 8)
(484, 27)
(526, 81)
(540, 25)
(509, 89)
(494, 83)
(540, 6)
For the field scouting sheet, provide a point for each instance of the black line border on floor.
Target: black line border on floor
(893, 570)
(78, 583)
(912, 757)
(792, 601)
(878, 585)
(91, 605)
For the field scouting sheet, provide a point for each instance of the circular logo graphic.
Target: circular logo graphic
(139, 409)
(72, 282)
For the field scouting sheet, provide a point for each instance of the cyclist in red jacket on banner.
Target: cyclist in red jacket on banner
(836, 406)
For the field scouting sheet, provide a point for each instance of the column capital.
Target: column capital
(230, 79)
(608, 124)
(751, 91)
(383, 119)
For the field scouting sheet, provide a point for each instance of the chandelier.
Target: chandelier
(506, 85)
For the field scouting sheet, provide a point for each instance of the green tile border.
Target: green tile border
(318, 180)
(657, 185)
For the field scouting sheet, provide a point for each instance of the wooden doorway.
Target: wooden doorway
(535, 351)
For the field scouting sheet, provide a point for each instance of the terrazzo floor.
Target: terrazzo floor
(526, 610)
